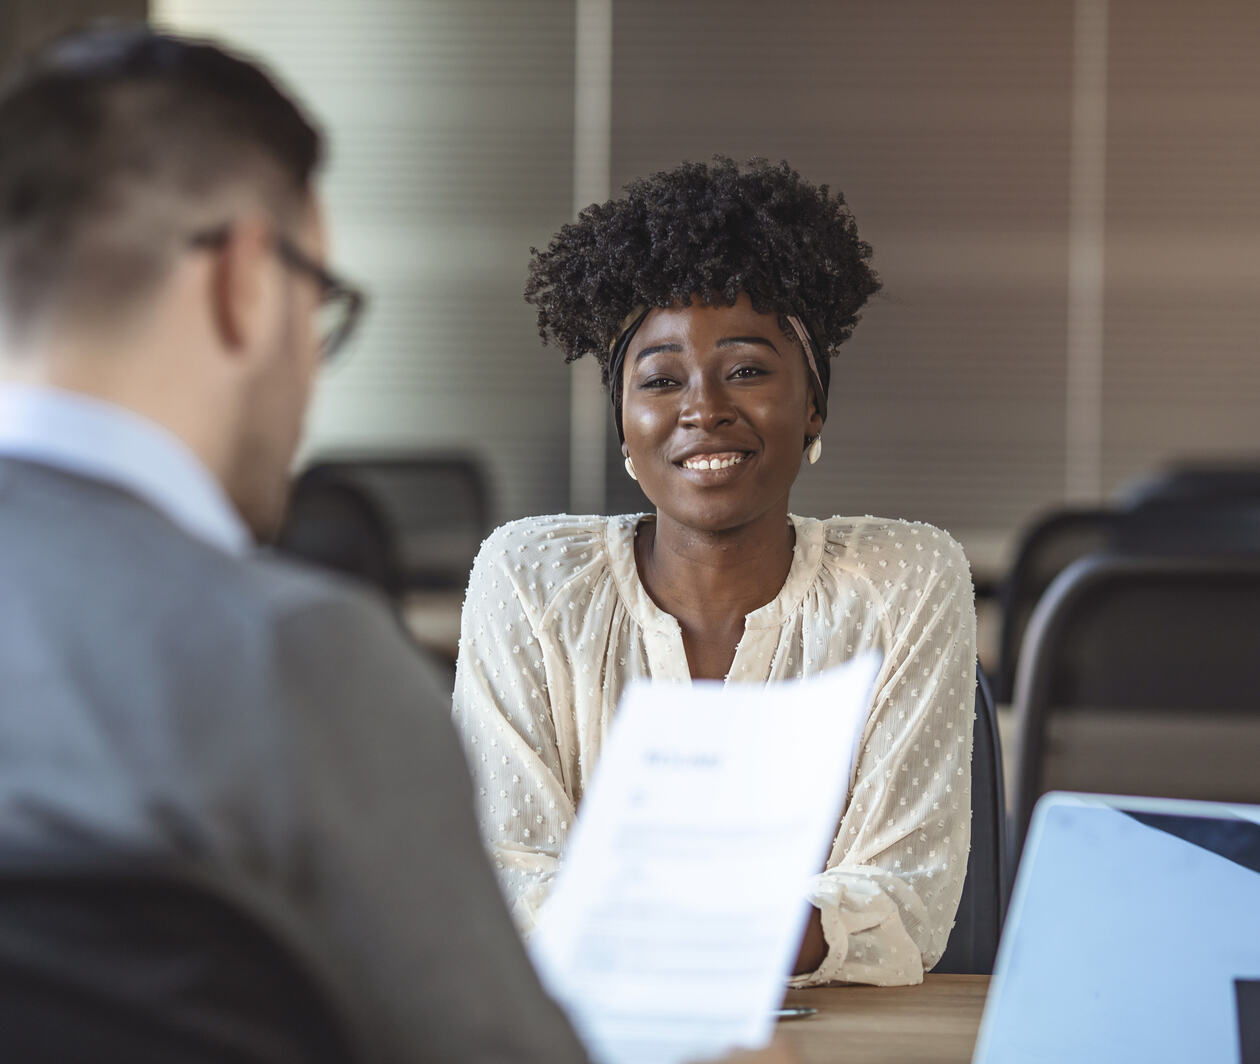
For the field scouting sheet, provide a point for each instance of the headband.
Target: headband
(802, 334)
(617, 359)
(630, 326)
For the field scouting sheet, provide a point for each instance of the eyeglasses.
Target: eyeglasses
(340, 303)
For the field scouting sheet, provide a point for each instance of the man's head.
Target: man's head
(161, 245)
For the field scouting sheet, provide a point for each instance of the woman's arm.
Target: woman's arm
(886, 901)
(503, 712)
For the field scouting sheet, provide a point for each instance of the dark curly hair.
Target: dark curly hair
(706, 231)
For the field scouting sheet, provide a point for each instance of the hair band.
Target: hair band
(620, 343)
(802, 334)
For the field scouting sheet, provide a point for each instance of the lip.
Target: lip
(714, 477)
(714, 448)
(724, 460)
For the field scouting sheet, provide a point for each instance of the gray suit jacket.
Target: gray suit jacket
(251, 715)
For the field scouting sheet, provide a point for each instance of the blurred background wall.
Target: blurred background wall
(1062, 197)
(25, 23)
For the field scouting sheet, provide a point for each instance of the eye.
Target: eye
(747, 372)
(658, 381)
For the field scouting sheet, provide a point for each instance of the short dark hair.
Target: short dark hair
(707, 231)
(113, 141)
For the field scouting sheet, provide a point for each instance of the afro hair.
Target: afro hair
(706, 231)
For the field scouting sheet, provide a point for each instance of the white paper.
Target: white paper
(679, 907)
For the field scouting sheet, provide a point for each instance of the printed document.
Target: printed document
(679, 907)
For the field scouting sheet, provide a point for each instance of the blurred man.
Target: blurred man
(164, 689)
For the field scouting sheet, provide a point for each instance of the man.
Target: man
(164, 690)
(162, 687)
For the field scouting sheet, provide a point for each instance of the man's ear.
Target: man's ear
(239, 282)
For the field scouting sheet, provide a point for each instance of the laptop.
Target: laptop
(1133, 935)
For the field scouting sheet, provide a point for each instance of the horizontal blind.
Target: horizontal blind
(946, 126)
(451, 124)
(1182, 364)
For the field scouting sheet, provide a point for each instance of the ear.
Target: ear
(244, 268)
(813, 420)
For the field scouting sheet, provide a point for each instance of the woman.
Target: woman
(713, 297)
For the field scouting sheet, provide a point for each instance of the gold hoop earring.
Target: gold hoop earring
(630, 469)
(814, 452)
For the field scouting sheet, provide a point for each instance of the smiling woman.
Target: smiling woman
(713, 297)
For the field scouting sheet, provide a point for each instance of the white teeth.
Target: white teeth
(713, 463)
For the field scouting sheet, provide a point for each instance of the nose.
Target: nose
(707, 405)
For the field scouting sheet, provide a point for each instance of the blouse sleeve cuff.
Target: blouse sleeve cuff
(866, 940)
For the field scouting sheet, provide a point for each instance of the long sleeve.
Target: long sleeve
(388, 857)
(504, 712)
(892, 883)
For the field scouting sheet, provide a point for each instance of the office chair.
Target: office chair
(333, 523)
(423, 515)
(1157, 523)
(1187, 528)
(973, 942)
(1048, 547)
(113, 959)
(1137, 676)
(1196, 483)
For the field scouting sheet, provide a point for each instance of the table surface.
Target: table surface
(935, 1022)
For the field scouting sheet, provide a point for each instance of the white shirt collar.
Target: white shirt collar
(101, 440)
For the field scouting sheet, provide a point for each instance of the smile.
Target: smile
(714, 461)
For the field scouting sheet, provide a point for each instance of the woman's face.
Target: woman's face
(716, 409)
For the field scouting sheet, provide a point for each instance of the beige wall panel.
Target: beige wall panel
(1182, 369)
(452, 131)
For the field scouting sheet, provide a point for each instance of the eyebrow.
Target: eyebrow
(735, 341)
(726, 341)
(656, 349)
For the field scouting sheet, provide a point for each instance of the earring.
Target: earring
(630, 469)
(814, 452)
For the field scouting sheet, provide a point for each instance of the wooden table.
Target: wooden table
(934, 1022)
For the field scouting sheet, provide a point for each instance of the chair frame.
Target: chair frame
(1052, 617)
(1012, 633)
(352, 470)
(973, 942)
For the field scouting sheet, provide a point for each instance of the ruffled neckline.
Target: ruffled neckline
(807, 555)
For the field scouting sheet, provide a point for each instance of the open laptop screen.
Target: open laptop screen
(1133, 934)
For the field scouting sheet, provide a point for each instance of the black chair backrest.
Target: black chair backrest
(121, 960)
(1198, 484)
(1157, 525)
(1048, 547)
(1141, 643)
(973, 943)
(424, 516)
(334, 524)
(1175, 527)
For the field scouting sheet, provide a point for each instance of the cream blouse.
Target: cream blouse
(556, 623)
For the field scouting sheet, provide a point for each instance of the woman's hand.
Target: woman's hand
(813, 945)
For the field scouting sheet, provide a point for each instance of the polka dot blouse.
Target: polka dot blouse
(556, 623)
